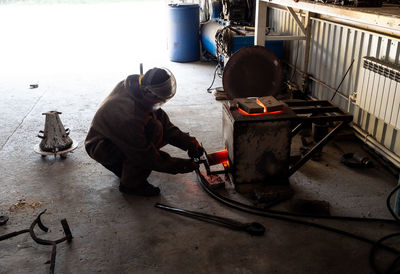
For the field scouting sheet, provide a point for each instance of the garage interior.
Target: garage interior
(67, 56)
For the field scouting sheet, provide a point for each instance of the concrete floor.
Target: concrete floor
(116, 233)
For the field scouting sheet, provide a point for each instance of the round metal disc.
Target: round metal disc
(37, 149)
(253, 71)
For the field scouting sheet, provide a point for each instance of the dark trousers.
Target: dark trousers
(112, 158)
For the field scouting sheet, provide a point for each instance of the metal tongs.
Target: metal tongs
(254, 228)
(216, 158)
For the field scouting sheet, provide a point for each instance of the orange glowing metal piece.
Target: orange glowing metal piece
(261, 104)
(219, 157)
(258, 114)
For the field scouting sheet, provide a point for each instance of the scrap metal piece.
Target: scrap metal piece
(3, 220)
(67, 231)
(214, 181)
(356, 160)
(13, 234)
(252, 71)
(254, 228)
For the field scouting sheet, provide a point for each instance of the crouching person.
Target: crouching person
(129, 128)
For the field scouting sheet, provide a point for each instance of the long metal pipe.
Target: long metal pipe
(344, 96)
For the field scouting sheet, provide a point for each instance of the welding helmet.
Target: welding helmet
(158, 85)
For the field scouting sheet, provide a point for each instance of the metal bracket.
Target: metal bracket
(316, 148)
(296, 18)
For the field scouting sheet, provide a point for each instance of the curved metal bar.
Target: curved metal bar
(39, 222)
(33, 235)
(38, 240)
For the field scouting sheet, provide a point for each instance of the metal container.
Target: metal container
(258, 146)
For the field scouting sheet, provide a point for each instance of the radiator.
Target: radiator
(379, 90)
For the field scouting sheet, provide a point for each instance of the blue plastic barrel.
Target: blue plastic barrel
(183, 36)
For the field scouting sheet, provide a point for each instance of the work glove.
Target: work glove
(184, 166)
(195, 150)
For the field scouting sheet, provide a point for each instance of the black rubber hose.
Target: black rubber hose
(236, 205)
(213, 80)
(344, 218)
(376, 245)
(390, 207)
(372, 254)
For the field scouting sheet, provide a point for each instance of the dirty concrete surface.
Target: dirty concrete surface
(77, 54)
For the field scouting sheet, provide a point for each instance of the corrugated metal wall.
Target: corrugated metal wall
(333, 47)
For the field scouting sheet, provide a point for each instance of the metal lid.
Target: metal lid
(252, 71)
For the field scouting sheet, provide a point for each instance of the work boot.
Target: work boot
(145, 189)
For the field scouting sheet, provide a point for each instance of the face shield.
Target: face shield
(158, 93)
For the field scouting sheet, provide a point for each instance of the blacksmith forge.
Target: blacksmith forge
(258, 129)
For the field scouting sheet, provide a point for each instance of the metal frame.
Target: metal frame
(319, 111)
(260, 25)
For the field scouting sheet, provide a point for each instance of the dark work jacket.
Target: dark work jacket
(136, 129)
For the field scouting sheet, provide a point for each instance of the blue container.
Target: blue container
(183, 37)
(208, 32)
(216, 9)
(238, 41)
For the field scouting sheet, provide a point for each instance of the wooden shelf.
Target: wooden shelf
(387, 17)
